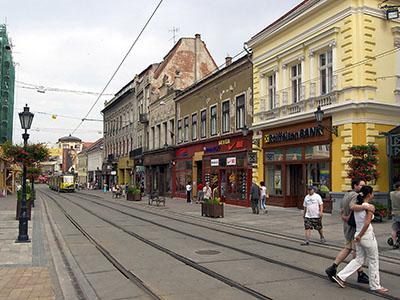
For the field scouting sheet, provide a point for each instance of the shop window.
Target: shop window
(295, 78)
(194, 127)
(293, 154)
(325, 72)
(186, 129)
(318, 152)
(188, 164)
(273, 179)
(213, 120)
(318, 175)
(273, 155)
(240, 160)
(180, 165)
(203, 124)
(271, 90)
(225, 117)
(222, 161)
(206, 163)
(240, 112)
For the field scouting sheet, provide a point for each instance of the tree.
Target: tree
(363, 163)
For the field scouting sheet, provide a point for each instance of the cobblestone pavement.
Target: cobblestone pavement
(24, 273)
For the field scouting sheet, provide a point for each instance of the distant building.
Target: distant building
(7, 80)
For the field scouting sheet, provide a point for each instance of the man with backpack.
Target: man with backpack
(347, 205)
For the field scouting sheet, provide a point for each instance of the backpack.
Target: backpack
(352, 221)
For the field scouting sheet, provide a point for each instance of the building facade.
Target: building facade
(210, 146)
(125, 146)
(7, 81)
(341, 56)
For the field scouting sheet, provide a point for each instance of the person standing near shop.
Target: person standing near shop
(263, 190)
(255, 197)
(312, 215)
(189, 192)
(200, 193)
(207, 191)
(395, 198)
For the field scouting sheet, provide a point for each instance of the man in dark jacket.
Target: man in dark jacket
(255, 197)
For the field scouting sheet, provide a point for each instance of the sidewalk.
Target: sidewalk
(24, 272)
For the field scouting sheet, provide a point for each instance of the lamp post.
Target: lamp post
(319, 116)
(25, 118)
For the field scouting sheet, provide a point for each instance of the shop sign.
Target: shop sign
(231, 161)
(217, 148)
(214, 162)
(251, 157)
(224, 142)
(283, 136)
(140, 169)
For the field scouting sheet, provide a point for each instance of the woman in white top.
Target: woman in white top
(263, 196)
(366, 245)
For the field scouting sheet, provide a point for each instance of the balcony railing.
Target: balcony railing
(283, 107)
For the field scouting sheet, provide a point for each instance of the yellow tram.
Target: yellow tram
(62, 182)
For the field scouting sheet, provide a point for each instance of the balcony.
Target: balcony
(144, 118)
(301, 106)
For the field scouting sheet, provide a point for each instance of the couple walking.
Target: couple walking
(257, 197)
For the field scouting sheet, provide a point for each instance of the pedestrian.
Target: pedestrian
(255, 197)
(189, 192)
(207, 191)
(263, 190)
(312, 214)
(215, 193)
(395, 198)
(105, 188)
(366, 244)
(349, 200)
(200, 193)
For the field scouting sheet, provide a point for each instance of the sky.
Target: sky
(70, 49)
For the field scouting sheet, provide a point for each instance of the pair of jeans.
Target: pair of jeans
(189, 198)
(262, 203)
(254, 206)
(366, 248)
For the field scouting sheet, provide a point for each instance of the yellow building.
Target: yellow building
(342, 56)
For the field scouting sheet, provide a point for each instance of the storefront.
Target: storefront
(158, 165)
(222, 162)
(294, 157)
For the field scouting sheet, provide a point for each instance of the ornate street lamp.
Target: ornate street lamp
(25, 118)
(319, 116)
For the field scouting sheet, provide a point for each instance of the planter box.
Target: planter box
(212, 210)
(28, 209)
(133, 197)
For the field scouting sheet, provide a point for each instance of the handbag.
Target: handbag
(267, 196)
(352, 221)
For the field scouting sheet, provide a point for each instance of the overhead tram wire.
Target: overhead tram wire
(119, 66)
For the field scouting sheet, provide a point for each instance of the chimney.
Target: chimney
(228, 60)
(197, 36)
(197, 42)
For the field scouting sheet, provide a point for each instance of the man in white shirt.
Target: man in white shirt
(312, 215)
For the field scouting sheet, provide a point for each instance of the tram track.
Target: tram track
(173, 254)
(245, 252)
(257, 231)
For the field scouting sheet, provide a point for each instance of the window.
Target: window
(165, 133)
(158, 136)
(213, 120)
(186, 129)
(240, 112)
(153, 137)
(325, 72)
(194, 127)
(271, 90)
(295, 78)
(225, 117)
(172, 129)
(180, 131)
(203, 124)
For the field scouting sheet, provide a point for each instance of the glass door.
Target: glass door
(294, 184)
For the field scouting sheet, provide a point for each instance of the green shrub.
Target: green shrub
(212, 201)
(134, 191)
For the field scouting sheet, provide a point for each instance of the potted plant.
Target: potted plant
(381, 211)
(212, 208)
(29, 197)
(133, 194)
